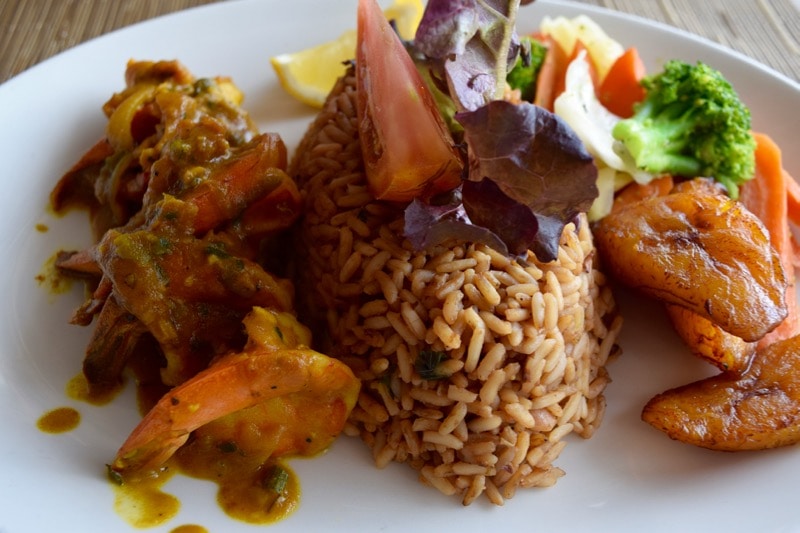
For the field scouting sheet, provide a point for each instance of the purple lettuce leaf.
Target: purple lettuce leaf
(433, 224)
(541, 175)
(517, 226)
(446, 27)
(529, 173)
(471, 44)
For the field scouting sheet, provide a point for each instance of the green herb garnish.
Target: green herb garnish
(114, 476)
(276, 479)
(217, 249)
(427, 365)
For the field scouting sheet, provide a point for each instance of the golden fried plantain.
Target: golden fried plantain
(697, 248)
(753, 410)
(710, 342)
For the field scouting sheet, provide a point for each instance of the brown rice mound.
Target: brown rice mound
(512, 353)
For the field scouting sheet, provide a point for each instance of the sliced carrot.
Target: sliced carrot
(793, 211)
(640, 191)
(766, 195)
(553, 68)
(796, 252)
(622, 88)
(552, 79)
(792, 198)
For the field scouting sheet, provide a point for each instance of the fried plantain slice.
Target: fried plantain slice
(699, 249)
(709, 342)
(753, 410)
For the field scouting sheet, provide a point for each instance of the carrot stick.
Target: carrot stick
(792, 198)
(552, 79)
(793, 211)
(622, 88)
(635, 192)
(553, 67)
(796, 249)
(766, 195)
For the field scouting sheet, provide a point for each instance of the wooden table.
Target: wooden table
(33, 30)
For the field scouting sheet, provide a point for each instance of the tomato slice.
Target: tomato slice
(408, 151)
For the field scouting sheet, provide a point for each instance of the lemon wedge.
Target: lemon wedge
(309, 75)
(406, 14)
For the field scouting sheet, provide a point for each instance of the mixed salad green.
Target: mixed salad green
(529, 168)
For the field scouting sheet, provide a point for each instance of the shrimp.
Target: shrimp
(181, 212)
(187, 200)
(276, 374)
(113, 341)
(190, 293)
(248, 175)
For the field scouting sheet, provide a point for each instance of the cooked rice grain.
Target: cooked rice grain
(524, 344)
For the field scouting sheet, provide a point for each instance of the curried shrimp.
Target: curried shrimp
(187, 200)
(173, 190)
(277, 397)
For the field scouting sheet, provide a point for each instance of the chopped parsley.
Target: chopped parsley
(427, 365)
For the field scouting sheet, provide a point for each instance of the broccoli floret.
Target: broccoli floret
(526, 70)
(691, 123)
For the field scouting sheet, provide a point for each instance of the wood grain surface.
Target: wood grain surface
(33, 30)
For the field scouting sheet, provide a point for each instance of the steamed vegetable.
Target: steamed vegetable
(691, 123)
(622, 89)
(567, 33)
(579, 106)
(526, 70)
(768, 197)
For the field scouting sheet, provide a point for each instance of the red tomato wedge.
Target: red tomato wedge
(408, 151)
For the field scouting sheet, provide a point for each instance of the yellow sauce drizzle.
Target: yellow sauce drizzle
(59, 420)
(242, 492)
(49, 275)
(78, 389)
(188, 528)
(143, 503)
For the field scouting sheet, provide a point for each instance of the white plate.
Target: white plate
(628, 477)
